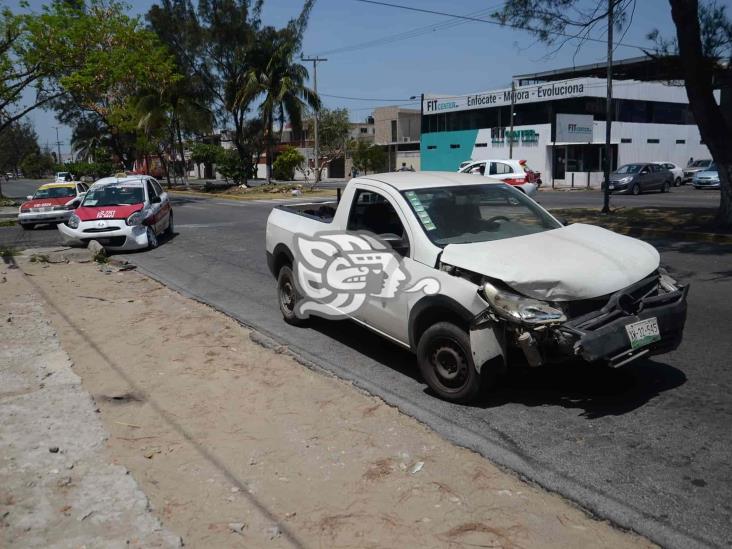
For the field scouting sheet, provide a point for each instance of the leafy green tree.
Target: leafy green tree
(376, 159)
(17, 141)
(230, 165)
(22, 75)
(334, 128)
(203, 153)
(219, 44)
(704, 45)
(37, 164)
(287, 162)
(278, 79)
(104, 59)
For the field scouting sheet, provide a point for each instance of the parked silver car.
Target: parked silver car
(695, 167)
(707, 179)
(639, 178)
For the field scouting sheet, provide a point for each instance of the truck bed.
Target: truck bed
(321, 211)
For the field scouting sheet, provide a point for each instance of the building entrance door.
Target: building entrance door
(559, 162)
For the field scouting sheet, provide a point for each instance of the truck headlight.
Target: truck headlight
(73, 221)
(522, 309)
(134, 219)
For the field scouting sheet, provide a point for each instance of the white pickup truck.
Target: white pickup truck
(461, 271)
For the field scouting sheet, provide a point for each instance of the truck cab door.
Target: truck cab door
(374, 212)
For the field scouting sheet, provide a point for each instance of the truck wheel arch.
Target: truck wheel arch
(432, 309)
(280, 256)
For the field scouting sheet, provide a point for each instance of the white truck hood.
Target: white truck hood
(574, 262)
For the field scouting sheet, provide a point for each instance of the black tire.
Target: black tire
(446, 363)
(287, 296)
(666, 186)
(152, 238)
(677, 182)
(28, 226)
(170, 228)
(635, 189)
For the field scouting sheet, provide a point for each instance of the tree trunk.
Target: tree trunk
(714, 127)
(164, 164)
(268, 150)
(240, 149)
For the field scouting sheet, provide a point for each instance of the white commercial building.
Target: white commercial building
(559, 127)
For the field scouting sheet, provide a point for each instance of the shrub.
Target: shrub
(286, 163)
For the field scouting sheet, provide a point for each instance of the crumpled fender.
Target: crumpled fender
(485, 345)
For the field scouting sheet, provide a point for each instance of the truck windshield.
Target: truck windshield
(114, 195)
(477, 213)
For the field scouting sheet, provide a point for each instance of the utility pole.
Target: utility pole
(510, 133)
(608, 107)
(315, 61)
(58, 146)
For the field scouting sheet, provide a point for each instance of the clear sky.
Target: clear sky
(445, 56)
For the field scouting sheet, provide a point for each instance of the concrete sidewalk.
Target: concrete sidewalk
(58, 485)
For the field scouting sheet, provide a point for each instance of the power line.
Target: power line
(507, 25)
(413, 33)
(365, 98)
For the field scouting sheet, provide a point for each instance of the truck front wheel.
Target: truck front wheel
(446, 363)
(287, 296)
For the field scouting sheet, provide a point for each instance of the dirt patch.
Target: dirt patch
(237, 445)
(264, 192)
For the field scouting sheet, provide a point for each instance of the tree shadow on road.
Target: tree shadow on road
(597, 390)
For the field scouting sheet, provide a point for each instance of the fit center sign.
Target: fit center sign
(434, 104)
(574, 128)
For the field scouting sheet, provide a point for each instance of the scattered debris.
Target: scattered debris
(123, 398)
(125, 424)
(237, 527)
(417, 467)
(151, 452)
(97, 251)
(274, 532)
(65, 481)
(53, 449)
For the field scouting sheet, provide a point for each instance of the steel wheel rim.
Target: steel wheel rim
(287, 296)
(449, 364)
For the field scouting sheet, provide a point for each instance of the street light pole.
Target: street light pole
(58, 146)
(608, 108)
(315, 61)
(510, 133)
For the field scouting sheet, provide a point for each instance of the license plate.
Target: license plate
(643, 333)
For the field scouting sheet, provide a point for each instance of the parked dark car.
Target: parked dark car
(639, 178)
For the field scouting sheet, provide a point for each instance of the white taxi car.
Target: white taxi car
(512, 172)
(51, 203)
(121, 213)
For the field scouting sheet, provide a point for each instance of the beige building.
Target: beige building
(398, 129)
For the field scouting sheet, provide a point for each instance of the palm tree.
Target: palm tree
(279, 80)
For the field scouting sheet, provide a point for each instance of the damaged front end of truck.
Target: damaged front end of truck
(643, 319)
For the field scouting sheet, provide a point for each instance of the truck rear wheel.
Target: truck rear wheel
(287, 296)
(446, 363)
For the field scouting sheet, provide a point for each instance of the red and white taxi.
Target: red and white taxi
(512, 172)
(51, 203)
(121, 213)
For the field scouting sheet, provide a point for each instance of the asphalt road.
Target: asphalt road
(646, 446)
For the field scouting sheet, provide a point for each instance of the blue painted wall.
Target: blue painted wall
(444, 156)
